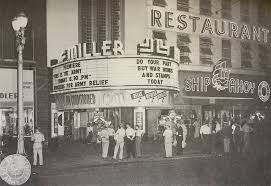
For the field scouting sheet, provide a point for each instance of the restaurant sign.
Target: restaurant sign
(221, 83)
(179, 21)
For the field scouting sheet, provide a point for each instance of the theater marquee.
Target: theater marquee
(155, 67)
(121, 72)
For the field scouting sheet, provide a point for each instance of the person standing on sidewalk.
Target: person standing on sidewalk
(139, 133)
(130, 141)
(237, 138)
(196, 124)
(205, 132)
(104, 135)
(227, 134)
(89, 133)
(119, 137)
(168, 139)
(247, 129)
(1, 139)
(112, 142)
(179, 138)
(37, 138)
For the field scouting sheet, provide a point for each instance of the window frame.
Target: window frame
(226, 51)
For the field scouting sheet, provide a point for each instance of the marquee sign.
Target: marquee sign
(80, 70)
(112, 72)
(114, 98)
(185, 22)
(221, 83)
(156, 47)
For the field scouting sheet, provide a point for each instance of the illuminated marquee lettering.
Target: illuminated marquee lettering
(264, 91)
(80, 99)
(157, 47)
(225, 86)
(170, 20)
(183, 23)
(222, 31)
(81, 50)
(198, 84)
(207, 26)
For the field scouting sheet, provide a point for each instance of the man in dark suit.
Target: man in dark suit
(179, 138)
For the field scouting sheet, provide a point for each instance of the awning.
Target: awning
(184, 48)
(159, 35)
(183, 38)
(162, 3)
(205, 60)
(206, 51)
(185, 59)
(206, 41)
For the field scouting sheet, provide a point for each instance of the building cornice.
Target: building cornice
(204, 68)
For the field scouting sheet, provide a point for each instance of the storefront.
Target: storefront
(8, 102)
(220, 95)
(121, 88)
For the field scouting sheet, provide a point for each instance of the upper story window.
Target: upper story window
(244, 10)
(246, 55)
(226, 51)
(159, 35)
(226, 9)
(206, 7)
(183, 41)
(183, 5)
(161, 3)
(206, 50)
(264, 56)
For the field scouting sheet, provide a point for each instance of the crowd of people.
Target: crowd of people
(112, 142)
(233, 137)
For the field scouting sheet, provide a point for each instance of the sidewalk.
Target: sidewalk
(78, 155)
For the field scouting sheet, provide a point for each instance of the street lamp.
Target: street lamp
(15, 168)
(19, 23)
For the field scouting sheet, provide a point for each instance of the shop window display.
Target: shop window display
(8, 118)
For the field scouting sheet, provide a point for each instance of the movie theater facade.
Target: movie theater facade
(203, 66)
(114, 85)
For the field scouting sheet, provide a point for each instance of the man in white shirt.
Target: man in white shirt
(119, 137)
(205, 132)
(37, 138)
(130, 136)
(104, 135)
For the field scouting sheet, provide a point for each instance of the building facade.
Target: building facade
(222, 60)
(35, 75)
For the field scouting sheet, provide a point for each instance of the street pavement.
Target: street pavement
(81, 164)
(200, 171)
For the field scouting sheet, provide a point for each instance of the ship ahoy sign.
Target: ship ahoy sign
(221, 83)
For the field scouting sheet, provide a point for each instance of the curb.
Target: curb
(55, 171)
